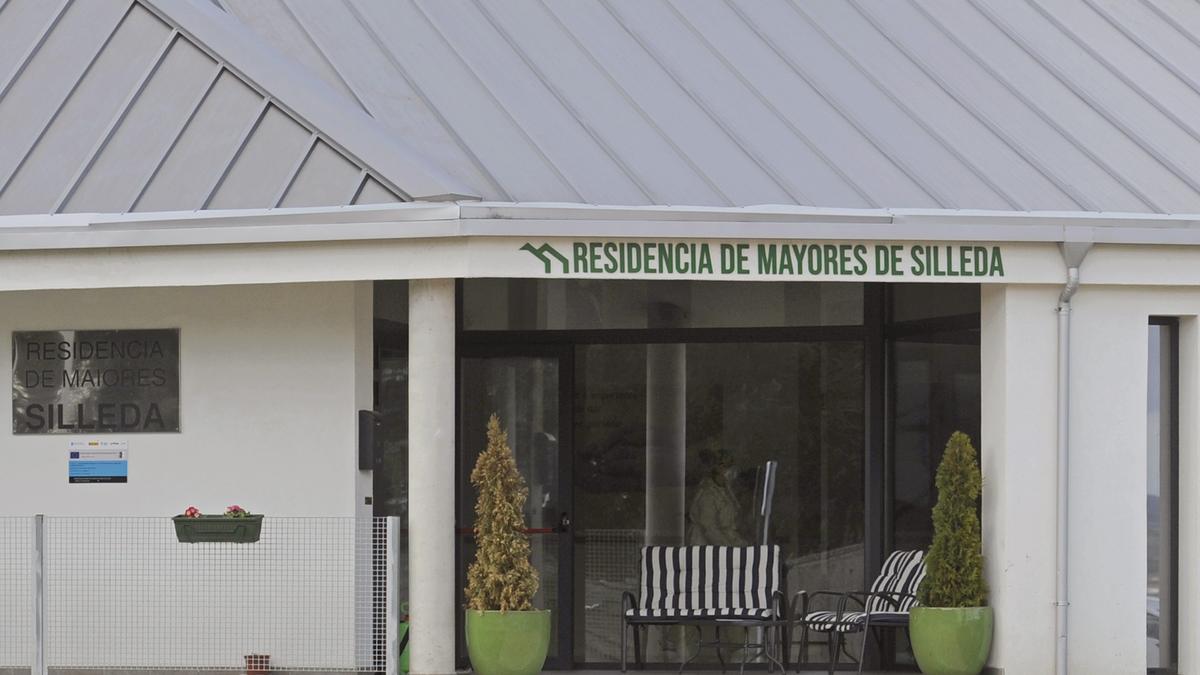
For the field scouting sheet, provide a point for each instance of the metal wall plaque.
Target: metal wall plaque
(88, 381)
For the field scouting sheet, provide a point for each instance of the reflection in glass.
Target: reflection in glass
(523, 391)
(390, 477)
(935, 386)
(799, 404)
(584, 304)
(390, 473)
(914, 302)
(391, 437)
(933, 390)
(1162, 524)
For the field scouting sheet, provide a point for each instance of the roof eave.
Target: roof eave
(472, 219)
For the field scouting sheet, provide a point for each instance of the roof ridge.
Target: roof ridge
(295, 90)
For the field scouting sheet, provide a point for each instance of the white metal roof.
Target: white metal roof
(1012, 105)
(996, 104)
(150, 105)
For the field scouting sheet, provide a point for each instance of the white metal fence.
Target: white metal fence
(16, 593)
(124, 594)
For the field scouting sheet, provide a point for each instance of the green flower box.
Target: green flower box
(209, 529)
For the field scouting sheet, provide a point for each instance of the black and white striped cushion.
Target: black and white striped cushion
(739, 613)
(718, 578)
(902, 572)
(827, 622)
(851, 622)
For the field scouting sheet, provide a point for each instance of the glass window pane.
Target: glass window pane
(391, 302)
(584, 304)
(523, 392)
(935, 392)
(716, 413)
(390, 474)
(610, 491)
(391, 435)
(1162, 524)
(926, 301)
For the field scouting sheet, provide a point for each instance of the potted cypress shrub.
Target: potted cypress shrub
(951, 628)
(505, 634)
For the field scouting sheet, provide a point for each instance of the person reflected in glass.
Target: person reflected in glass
(714, 514)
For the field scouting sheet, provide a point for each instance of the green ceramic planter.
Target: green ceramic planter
(951, 640)
(508, 643)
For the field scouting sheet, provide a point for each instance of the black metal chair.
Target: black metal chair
(886, 605)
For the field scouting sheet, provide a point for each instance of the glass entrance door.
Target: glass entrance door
(526, 391)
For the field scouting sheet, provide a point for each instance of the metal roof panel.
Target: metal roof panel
(1028, 105)
(167, 104)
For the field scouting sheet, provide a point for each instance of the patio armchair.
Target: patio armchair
(886, 605)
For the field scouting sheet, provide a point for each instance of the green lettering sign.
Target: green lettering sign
(822, 260)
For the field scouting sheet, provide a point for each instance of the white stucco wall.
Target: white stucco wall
(1107, 571)
(271, 377)
(1108, 476)
(268, 400)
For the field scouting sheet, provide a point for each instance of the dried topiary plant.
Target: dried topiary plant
(954, 566)
(501, 578)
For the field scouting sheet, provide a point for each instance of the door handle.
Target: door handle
(564, 522)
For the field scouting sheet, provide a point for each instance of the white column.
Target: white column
(1107, 614)
(364, 321)
(666, 443)
(666, 420)
(1018, 356)
(1189, 503)
(364, 391)
(433, 595)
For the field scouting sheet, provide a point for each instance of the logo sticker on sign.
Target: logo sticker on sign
(98, 462)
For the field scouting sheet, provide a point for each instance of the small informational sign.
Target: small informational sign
(98, 462)
(90, 381)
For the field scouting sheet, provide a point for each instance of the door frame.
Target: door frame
(563, 614)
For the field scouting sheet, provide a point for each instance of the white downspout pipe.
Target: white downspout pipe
(1073, 254)
(1064, 458)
